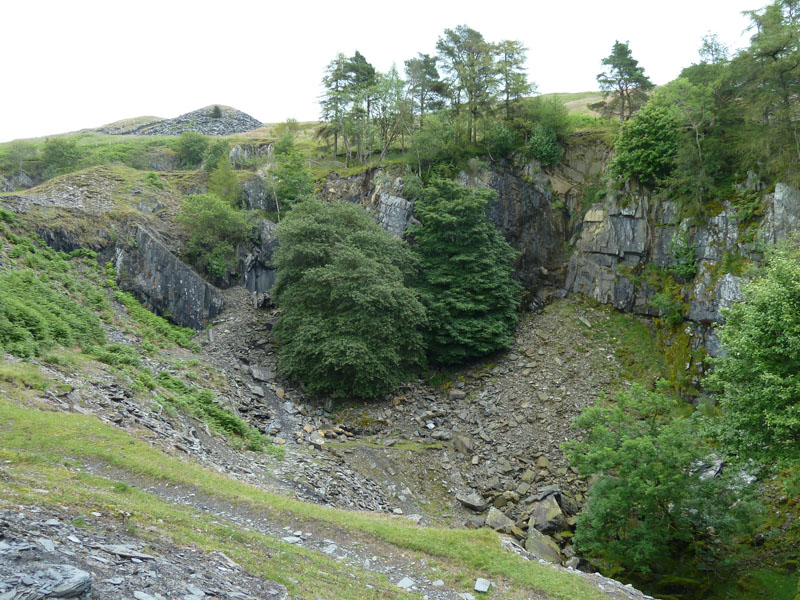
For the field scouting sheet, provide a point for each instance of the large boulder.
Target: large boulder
(498, 521)
(542, 546)
(547, 516)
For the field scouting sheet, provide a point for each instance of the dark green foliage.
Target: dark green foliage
(116, 355)
(646, 146)
(684, 255)
(625, 83)
(284, 144)
(202, 404)
(648, 512)
(349, 326)
(60, 155)
(216, 112)
(216, 152)
(35, 316)
(293, 181)
(500, 141)
(543, 145)
(759, 378)
(190, 148)
(465, 280)
(215, 229)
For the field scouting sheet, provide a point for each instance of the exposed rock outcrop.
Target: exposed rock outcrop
(257, 266)
(163, 283)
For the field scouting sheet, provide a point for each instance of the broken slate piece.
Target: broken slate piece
(124, 551)
(405, 583)
(473, 501)
(482, 585)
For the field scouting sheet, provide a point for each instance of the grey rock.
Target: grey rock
(256, 390)
(406, 583)
(125, 551)
(542, 546)
(292, 539)
(463, 444)
(162, 283)
(498, 521)
(547, 516)
(201, 121)
(473, 500)
(262, 373)
(482, 585)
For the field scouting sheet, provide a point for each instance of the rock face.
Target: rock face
(257, 267)
(232, 121)
(631, 229)
(380, 194)
(258, 195)
(163, 283)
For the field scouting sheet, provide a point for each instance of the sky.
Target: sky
(84, 63)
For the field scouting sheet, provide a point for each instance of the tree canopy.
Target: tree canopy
(624, 81)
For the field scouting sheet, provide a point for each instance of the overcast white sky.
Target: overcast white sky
(80, 63)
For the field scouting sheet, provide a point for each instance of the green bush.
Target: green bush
(190, 148)
(543, 145)
(684, 255)
(216, 152)
(293, 180)
(648, 511)
(646, 146)
(216, 112)
(224, 184)
(349, 325)
(501, 141)
(60, 155)
(759, 377)
(466, 267)
(215, 229)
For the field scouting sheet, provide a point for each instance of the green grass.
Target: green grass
(56, 438)
(153, 328)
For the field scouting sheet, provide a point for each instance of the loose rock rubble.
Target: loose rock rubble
(44, 554)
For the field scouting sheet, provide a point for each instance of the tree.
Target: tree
(767, 79)
(758, 378)
(465, 279)
(424, 84)
(511, 56)
(292, 179)
(190, 148)
(216, 112)
(713, 51)
(393, 111)
(648, 511)
(349, 325)
(624, 80)
(217, 151)
(468, 60)
(646, 146)
(334, 101)
(224, 184)
(60, 155)
(215, 230)
(18, 152)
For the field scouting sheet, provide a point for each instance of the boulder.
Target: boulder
(547, 516)
(498, 521)
(473, 501)
(463, 444)
(542, 546)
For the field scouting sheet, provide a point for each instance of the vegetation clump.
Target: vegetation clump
(350, 325)
(465, 273)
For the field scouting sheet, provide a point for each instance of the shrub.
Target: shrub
(759, 377)
(543, 145)
(501, 141)
(59, 155)
(648, 507)
(684, 255)
(466, 267)
(349, 325)
(646, 146)
(190, 148)
(217, 151)
(215, 230)
(216, 112)
(293, 181)
(224, 184)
